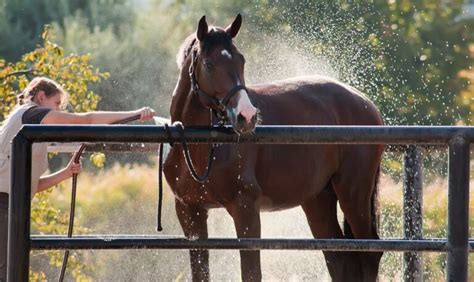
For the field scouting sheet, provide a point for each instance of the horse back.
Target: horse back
(313, 100)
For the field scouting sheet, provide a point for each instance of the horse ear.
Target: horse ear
(202, 29)
(234, 27)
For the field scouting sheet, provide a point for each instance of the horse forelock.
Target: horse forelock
(216, 37)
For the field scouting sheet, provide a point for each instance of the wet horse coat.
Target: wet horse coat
(246, 178)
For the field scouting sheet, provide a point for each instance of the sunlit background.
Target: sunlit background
(413, 58)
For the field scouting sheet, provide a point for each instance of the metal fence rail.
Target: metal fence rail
(263, 135)
(458, 140)
(107, 242)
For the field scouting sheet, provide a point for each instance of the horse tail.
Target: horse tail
(373, 210)
(374, 205)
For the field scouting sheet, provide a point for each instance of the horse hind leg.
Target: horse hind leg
(321, 213)
(355, 188)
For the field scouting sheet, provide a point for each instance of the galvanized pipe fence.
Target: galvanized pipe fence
(457, 244)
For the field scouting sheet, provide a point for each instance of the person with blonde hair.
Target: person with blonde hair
(42, 102)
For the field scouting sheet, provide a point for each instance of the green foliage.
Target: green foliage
(21, 21)
(73, 72)
(425, 47)
(466, 97)
(406, 55)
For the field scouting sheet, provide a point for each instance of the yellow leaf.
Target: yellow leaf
(98, 159)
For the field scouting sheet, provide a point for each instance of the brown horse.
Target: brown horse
(246, 178)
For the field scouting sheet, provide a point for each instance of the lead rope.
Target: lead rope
(77, 157)
(199, 178)
(160, 178)
(187, 156)
(160, 186)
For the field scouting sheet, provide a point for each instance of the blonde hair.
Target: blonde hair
(48, 86)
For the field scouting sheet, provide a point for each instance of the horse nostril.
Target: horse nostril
(240, 118)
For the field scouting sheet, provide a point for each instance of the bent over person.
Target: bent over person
(41, 103)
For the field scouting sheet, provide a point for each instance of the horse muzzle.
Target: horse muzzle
(243, 124)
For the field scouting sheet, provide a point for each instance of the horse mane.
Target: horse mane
(216, 37)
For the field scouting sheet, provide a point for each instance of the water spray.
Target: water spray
(76, 159)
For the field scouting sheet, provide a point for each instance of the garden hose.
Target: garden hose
(76, 159)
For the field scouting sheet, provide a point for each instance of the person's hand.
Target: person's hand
(73, 168)
(146, 113)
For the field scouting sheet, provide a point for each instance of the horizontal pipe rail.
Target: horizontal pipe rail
(162, 242)
(135, 147)
(105, 147)
(262, 135)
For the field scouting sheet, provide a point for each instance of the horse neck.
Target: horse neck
(185, 106)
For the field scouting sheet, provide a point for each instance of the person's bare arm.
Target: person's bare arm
(48, 181)
(57, 117)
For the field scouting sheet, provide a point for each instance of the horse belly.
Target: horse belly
(291, 174)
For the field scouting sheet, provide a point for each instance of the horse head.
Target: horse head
(217, 75)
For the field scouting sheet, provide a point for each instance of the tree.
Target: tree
(426, 45)
(467, 96)
(74, 73)
(22, 21)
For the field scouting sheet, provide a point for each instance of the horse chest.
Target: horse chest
(183, 186)
(221, 186)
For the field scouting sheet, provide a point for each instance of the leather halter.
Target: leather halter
(216, 105)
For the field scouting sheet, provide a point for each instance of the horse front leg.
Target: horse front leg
(246, 214)
(193, 220)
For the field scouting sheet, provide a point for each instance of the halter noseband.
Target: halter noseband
(216, 105)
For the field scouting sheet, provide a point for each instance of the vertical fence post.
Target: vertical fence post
(458, 209)
(413, 211)
(19, 210)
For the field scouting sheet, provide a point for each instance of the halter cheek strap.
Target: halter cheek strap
(231, 93)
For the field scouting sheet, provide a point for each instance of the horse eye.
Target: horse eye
(208, 65)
